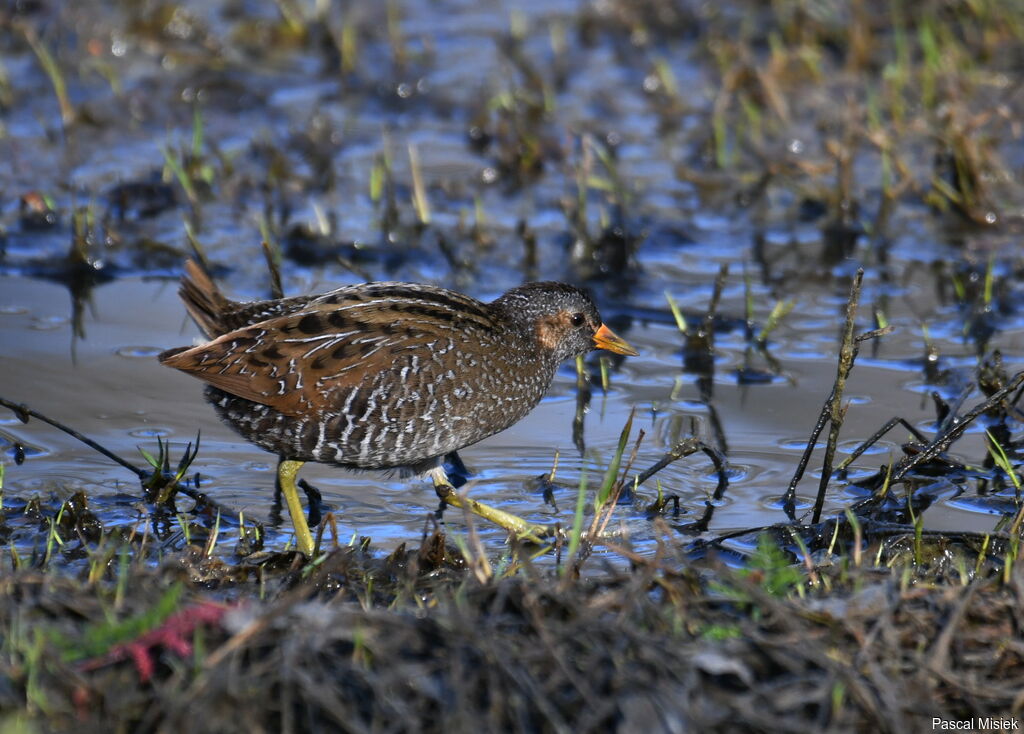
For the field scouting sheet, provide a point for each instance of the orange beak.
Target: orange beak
(605, 338)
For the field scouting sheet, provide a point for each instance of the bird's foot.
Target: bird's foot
(516, 525)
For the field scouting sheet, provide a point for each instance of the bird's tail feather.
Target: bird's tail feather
(204, 301)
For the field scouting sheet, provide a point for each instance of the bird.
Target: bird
(383, 375)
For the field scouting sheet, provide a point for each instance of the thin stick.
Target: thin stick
(877, 436)
(837, 412)
(946, 438)
(830, 411)
(683, 449)
(24, 412)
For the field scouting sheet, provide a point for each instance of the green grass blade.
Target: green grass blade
(577, 520)
(613, 467)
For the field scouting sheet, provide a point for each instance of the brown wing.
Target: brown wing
(293, 362)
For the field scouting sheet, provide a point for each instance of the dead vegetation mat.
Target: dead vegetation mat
(358, 643)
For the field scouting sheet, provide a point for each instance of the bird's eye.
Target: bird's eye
(578, 319)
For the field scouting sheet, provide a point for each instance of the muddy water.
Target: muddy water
(270, 119)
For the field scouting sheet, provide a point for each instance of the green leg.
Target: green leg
(514, 524)
(286, 473)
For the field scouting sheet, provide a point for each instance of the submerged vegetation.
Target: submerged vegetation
(727, 177)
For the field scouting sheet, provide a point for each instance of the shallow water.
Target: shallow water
(271, 120)
(109, 386)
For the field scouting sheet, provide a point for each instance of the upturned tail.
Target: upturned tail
(205, 303)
